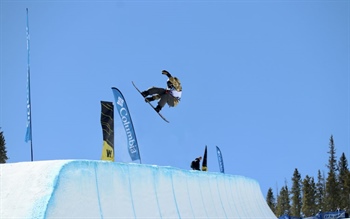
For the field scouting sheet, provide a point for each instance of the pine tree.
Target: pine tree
(343, 179)
(283, 202)
(332, 189)
(3, 152)
(296, 194)
(347, 186)
(270, 199)
(320, 190)
(309, 195)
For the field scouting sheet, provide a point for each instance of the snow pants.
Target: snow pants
(164, 96)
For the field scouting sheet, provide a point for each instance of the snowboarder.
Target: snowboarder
(195, 165)
(171, 95)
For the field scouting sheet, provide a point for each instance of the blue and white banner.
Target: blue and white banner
(123, 111)
(28, 136)
(220, 160)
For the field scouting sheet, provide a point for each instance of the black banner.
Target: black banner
(107, 123)
(204, 163)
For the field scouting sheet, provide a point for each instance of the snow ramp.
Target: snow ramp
(102, 189)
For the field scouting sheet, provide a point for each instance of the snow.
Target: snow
(102, 189)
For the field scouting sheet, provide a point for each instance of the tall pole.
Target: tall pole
(29, 108)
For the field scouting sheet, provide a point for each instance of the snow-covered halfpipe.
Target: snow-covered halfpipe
(102, 189)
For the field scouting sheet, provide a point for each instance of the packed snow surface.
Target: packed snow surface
(102, 189)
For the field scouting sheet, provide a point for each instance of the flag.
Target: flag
(204, 163)
(124, 114)
(220, 160)
(28, 136)
(107, 123)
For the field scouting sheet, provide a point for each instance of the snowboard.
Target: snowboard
(150, 104)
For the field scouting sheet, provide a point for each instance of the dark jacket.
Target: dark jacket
(196, 164)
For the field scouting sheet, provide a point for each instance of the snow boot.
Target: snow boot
(158, 108)
(145, 93)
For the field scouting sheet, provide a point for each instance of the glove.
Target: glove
(165, 72)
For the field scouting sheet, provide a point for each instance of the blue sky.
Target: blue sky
(266, 81)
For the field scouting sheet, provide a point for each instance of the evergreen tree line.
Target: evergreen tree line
(308, 196)
(3, 152)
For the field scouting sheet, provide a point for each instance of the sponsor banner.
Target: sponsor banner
(204, 163)
(28, 136)
(107, 123)
(220, 160)
(123, 111)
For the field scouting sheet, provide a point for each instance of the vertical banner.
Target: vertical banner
(204, 163)
(107, 123)
(28, 136)
(124, 114)
(220, 160)
(29, 132)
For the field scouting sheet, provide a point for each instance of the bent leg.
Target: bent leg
(156, 90)
(163, 100)
(166, 98)
(171, 101)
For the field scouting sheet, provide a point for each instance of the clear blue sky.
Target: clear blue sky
(266, 81)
